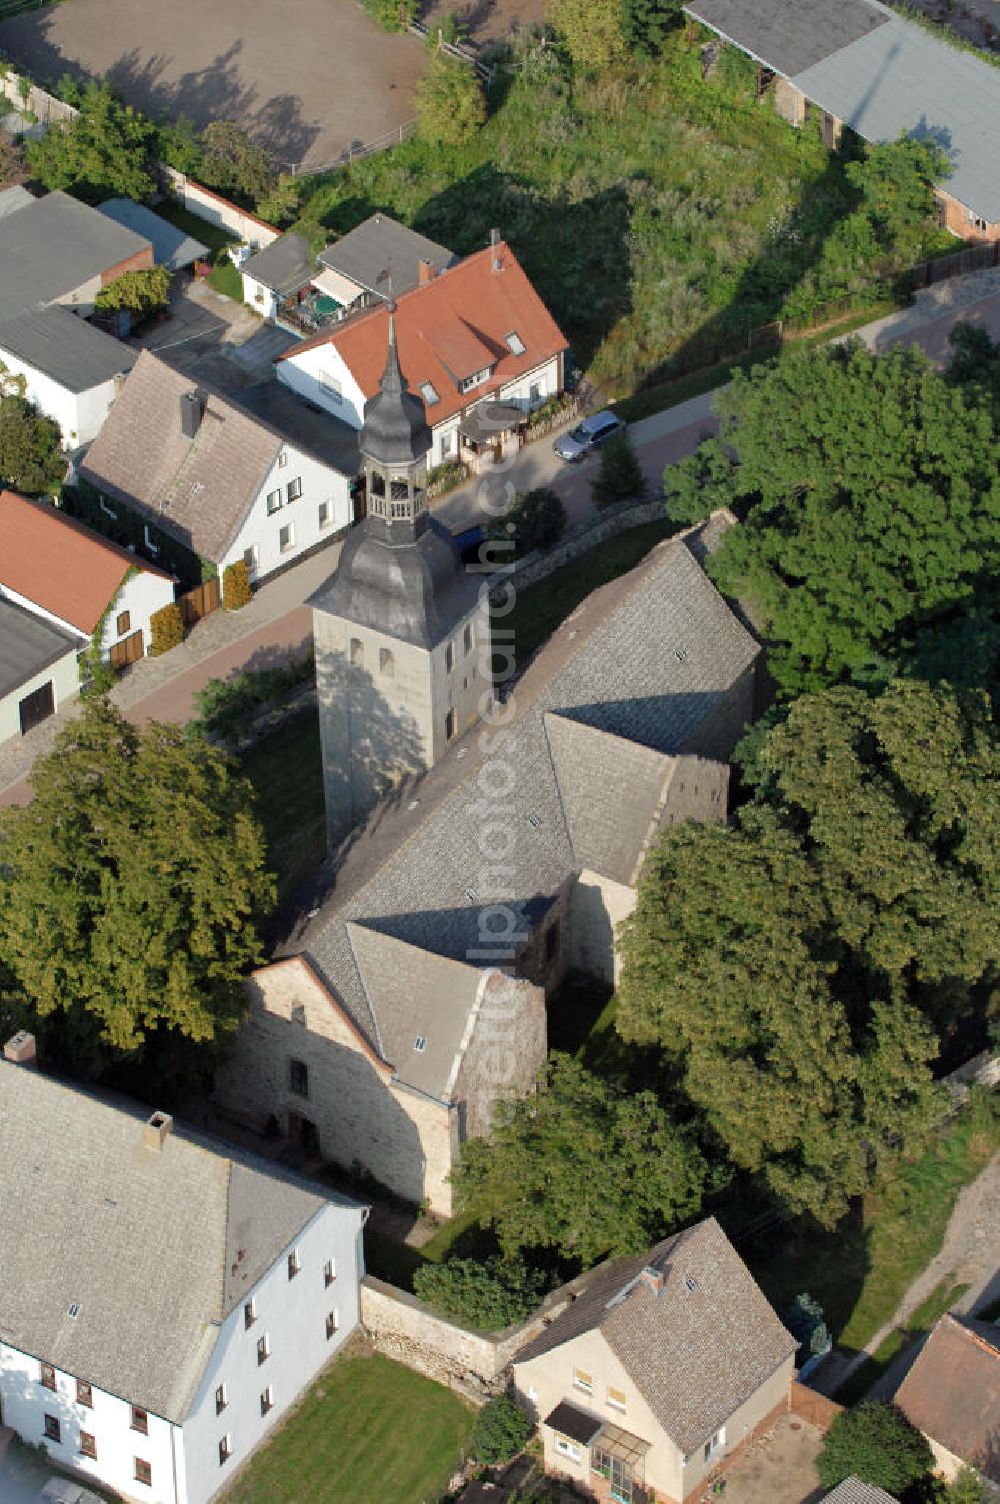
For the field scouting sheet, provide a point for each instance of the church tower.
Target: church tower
(402, 636)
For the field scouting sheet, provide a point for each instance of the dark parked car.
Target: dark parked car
(588, 436)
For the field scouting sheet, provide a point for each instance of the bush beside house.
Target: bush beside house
(166, 628)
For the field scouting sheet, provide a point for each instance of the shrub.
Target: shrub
(236, 592)
(450, 103)
(804, 1319)
(536, 519)
(225, 705)
(166, 629)
(619, 477)
(501, 1431)
(392, 15)
(876, 1443)
(487, 1294)
(140, 292)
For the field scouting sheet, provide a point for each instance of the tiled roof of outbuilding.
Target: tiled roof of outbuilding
(952, 1392)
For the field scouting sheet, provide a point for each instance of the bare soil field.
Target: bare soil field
(308, 78)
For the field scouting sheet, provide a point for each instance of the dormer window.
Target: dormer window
(514, 343)
(468, 382)
(428, 393)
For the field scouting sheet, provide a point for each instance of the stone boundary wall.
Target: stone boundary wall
(812, 1407)
(476, 1363)
(579, 540)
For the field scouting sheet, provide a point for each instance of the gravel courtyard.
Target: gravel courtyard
(309, 78)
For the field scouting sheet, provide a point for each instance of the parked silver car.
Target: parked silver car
(588, 436)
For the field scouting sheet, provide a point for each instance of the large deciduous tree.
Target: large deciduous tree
(233, 163)
(31, 454)
(106, 150)
(131, 886)
(582, 1168)
(871, 498)
(876, 1443)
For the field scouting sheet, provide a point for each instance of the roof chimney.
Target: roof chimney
(654, 1279)
(21, 1049)
(155, 1130)
(427, 270)
(495, 236)
(190, 414)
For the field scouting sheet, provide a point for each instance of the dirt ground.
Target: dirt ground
(779, 1467)
(309, 78)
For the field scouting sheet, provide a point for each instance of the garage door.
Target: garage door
(36, 707)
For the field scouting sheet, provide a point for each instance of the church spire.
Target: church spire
(395, 429)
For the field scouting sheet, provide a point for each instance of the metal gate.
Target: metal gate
(127, 651)
(200, 602)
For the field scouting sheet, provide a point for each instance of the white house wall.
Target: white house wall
(140, 595)
(302, 372)
(65, 677)
(292, 1313)
(79, 414)
(320, 483)
(26, 1402)
(260, 298)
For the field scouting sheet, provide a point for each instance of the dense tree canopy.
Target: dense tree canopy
(876, 1443)
(535, 519)
(31, 453)
(450, 102)
(132, 884)
(591, 31)
(800, 968)
(871, 492)
(106, 150)
(582, 1168)
(234, 164)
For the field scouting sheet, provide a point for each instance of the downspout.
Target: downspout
(173, 1463)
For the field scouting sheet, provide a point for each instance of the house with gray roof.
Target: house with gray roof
(211, 476)
(379, 258)
(410, 996)
(165, 1298)
(865, 66)
(55, 256)
(659, 1373)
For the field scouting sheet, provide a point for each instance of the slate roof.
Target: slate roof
(197, 490)
(380, 245)
(59, 564)
(285, 266)
(412, 877)
(172, 247)
(853, 1491)
(28, 646)
(952, 1392)
(788, 35)
(449, 329)
(65, 347)
(697, 1350)
(147, 1242)
(881, 74)
(50, 247)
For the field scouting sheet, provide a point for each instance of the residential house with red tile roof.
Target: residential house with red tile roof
(60, 570)
(952, 1395)
(470, 334)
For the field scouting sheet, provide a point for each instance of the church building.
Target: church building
(412, 997)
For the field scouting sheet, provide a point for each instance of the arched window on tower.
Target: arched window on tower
(386, 663)
(357, 651)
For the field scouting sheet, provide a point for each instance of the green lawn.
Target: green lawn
(540, 608)
(225, 278)
(211, 235)
(368, 1432)
(861, 1380)
(860, 1271)
(286, 771)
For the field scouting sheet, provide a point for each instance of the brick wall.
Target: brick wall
(812, 1407)
(140, 262)
(955, 217)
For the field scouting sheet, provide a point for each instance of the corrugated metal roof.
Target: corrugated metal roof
(28, 645)
(56, 342)
(901, 79)
(171, 247)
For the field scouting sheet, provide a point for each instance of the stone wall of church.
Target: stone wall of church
(506, 1051)
(360, 1116)
(719, 732)
(597, 906)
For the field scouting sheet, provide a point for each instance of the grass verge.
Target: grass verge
(540, 608)
(942, 1299)
(368, 1429)
(216, 238)
(860, 1272)
(286, 770)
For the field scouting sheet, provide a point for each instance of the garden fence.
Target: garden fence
(355, 153)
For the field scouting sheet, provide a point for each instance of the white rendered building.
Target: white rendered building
(165, 1298)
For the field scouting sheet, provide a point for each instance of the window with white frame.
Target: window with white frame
(263, 1350)
(332, 1323)
(286, 538)
(267, 1400)
(274, 502)
(616, 1398)
(329, 1272)
(221, 1400)
(142, 1471)
(468, 382)
(429, 394)
(567, 1448)
(583, 1380)
(225, 1448)
(52, 1428)
(249, 1314)
(447, 443)
(325, 514)
(88, 1445)
(294, 489)
(294, 1263)
(251, 556)
(514, 343)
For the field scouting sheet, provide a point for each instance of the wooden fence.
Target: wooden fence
(201, 601)
(814, 1408)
